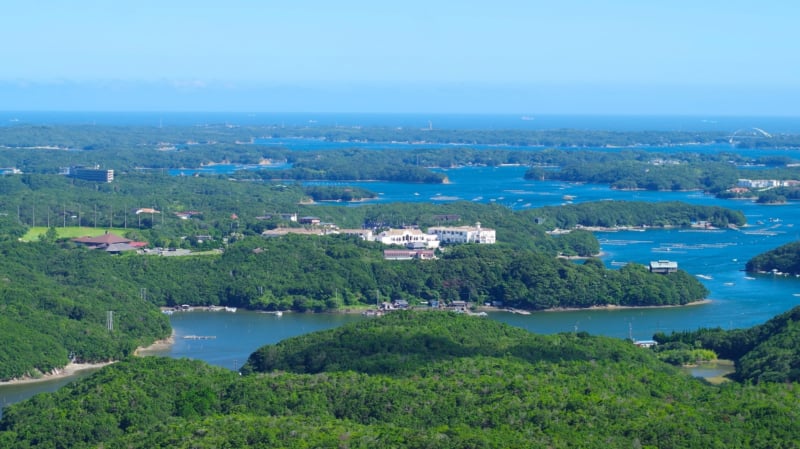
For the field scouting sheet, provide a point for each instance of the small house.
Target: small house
(458, 306)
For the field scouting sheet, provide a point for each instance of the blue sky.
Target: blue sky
(502, 56)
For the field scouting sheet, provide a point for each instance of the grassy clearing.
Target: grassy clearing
(70, 232)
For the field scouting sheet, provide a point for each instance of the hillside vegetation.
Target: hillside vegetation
(784, 259)
(53, 310)
(416, 380)
(56, 297)
(768, 352)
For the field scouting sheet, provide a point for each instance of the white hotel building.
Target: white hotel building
(408, 237)
(463, 234)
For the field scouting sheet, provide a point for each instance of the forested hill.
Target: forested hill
(403, 342)
(784, 259)
(609, 214)
(768, 352)
(331, 272)
(52, 311)
(426, 380)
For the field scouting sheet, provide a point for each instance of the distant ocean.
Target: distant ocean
(772, 125)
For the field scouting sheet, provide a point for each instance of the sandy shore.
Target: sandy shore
(73, 368)
(157, 346)
(70, 370)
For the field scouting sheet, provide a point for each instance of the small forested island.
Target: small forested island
(334, 193)
(782, 260)
(628, 214)
(413, 379)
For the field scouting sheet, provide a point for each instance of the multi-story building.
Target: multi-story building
(91, 174)
(409, 237)
(363, 234)
(463, 234)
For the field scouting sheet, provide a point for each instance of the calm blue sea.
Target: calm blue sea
(439, 121)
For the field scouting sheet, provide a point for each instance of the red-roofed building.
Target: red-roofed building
(408, 254)
(109, 240)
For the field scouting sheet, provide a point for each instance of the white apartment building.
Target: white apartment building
(464, 234)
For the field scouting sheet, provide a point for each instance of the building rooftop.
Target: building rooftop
(105, 239)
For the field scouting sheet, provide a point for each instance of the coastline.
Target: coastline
(617, 307)
(603, 307)
(72, 368)
(69, 370)
(156, 346)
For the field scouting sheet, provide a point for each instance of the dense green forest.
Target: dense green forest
(333, 272)
(784, 259)
(767, 352)
(416, 380)
(56, 295)
(54, 311)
